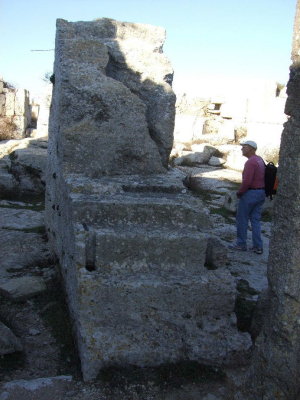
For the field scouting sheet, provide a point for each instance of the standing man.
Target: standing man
(251, 195)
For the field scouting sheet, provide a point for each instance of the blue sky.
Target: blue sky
(223, 38)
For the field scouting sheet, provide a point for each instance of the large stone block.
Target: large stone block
(149, 320)
(93, 111)
(135, 59)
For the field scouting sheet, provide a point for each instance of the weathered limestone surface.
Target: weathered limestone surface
(114, 117)
(131, 241)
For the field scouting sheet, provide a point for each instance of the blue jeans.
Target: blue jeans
(249, 208)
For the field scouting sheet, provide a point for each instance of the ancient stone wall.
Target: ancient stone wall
(253, 111)
(15, 112)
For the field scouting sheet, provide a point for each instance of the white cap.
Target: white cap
(249, 143)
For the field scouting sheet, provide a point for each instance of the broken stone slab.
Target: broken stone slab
(7, 146)
(205, 148)
(136, 59)
(21, 249)
(165, 325)
(28, 167)
(40, 388)
(207, 179)
(21, 219)
(216, 161)
(9, 343)
(22, 288)
(193, 159)
(22, 166)
(112, 118)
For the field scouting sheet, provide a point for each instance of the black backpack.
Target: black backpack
(270, 180)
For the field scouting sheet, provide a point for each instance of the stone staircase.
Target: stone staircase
(138, 289)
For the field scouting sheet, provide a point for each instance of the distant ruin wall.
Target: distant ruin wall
(15, 112)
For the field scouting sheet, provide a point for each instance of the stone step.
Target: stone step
(205, 292)
(7, 180)
(142, 251)
(189, 317)
(141, 209)
(170, 182)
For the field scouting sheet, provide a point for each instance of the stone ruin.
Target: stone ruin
(131, 241)
(15, 112)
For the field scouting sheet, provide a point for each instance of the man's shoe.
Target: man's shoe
(257, 250)
(237, 247)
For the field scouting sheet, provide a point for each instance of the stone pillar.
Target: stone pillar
(275, 372)
(130, 240)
